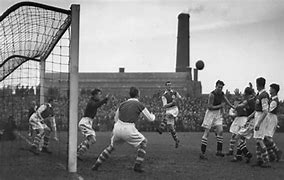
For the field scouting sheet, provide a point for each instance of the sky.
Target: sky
(238, 40)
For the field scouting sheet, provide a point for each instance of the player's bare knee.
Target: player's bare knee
(206, 134)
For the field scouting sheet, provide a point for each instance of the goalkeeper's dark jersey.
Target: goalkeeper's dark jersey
(92, 106)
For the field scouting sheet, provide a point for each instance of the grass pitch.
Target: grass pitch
(163, 160)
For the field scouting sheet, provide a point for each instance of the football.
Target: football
(199, 65)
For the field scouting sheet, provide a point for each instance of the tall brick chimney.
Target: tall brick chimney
(182, 60)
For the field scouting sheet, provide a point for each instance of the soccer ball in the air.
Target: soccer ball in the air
(199, 65)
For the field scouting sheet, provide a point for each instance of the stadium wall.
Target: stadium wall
(148, 83)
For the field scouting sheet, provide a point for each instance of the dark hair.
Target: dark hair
(220, 82)
(95, 91)
(276, 87)
(260, 81)
(133, 92)
(167, 82)
(248, 91)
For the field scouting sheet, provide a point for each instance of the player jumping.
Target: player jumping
(169, 99)
(125, 131)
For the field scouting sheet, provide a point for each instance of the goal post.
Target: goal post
(39, 61)
(74, 88)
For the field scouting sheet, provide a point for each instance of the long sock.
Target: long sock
(243, 147)
(274, 147)
(46, 141)
(37, 140)
(140, 156)
(219, 143)
(264, 155)
(203, 144)
(174, 134)
(163, 124)
(232, 144)
(104, 155)
(83, 147)
(258, 152)
(239, 151)
(271, 152)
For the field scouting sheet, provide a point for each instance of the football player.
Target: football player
(125, 131)
(214, 118)
(169, 99)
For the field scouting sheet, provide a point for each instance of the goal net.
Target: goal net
(34, 69)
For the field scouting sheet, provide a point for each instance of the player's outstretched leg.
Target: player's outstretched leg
(174, 135)
(141, 152)
(103, 157)
(84, 146)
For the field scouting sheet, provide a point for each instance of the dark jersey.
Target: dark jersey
(247, 109)
(260, 99)
(218, 98)
(130, 110)
(250, 107)
(92, 106)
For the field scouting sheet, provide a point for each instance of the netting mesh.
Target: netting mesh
(34, 65)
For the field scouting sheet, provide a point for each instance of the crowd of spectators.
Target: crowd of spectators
(191, 111)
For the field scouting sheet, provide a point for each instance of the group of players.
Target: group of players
(255, 114)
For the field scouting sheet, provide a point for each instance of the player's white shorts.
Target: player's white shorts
(126, 132)
(170, 119)
(173, 111)
(260, 134)
(247, 131)
(272, 122)
(212, 118)
(36, 122)
(86, 127)
(237, 124)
